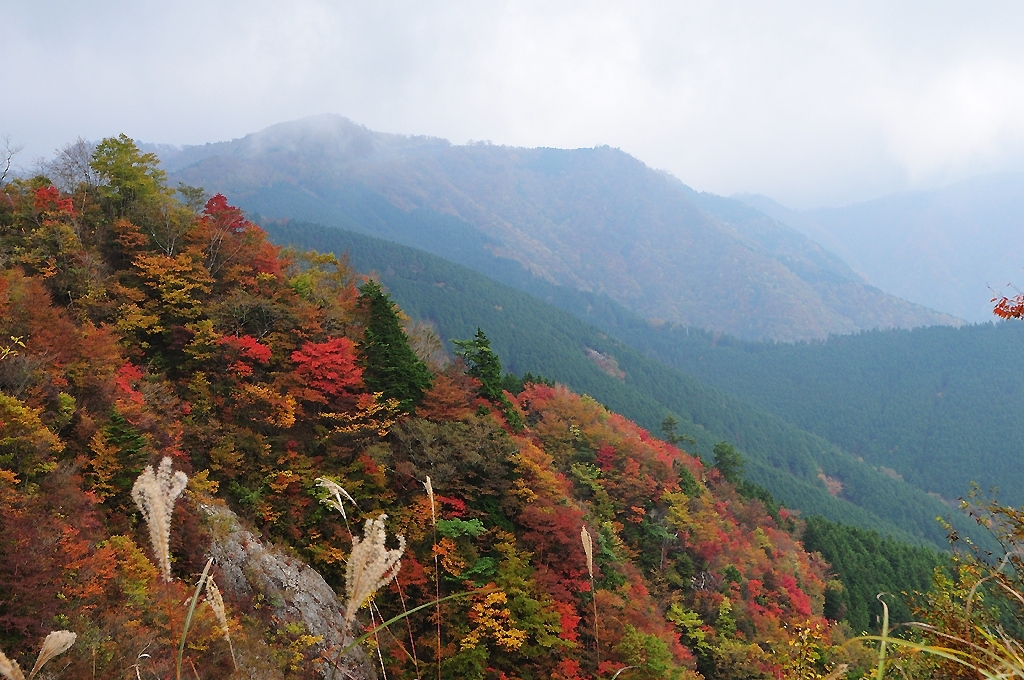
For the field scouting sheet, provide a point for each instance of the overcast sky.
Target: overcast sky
(811, 103)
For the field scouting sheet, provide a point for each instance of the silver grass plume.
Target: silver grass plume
(430, 495)
(437, 572)
(371, 566)
(10, 669)
(588, 548)
(216, 601)
(336, 492)
(55, 644)
(155, 493)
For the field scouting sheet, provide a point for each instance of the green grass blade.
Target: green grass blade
(188, 619)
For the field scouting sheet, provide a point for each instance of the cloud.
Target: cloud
(809, 102)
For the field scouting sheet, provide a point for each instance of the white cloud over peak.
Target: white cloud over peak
(808, 102)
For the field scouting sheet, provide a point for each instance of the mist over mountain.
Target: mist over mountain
(595, 220)
(951, 248)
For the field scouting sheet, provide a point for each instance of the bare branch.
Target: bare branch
(7, 153)
(71, 166)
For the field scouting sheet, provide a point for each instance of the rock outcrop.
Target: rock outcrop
(294, 591)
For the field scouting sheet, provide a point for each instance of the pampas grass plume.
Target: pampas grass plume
(216, 601)
(371, 566)
(10, 669)
(155, 493)
(588, 548)
(336, 492)
(430, 495)
(55, 644)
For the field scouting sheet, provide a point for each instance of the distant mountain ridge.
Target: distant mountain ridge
(950, 248)
(595, 220)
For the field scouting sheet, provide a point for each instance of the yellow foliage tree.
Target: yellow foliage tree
(25, 442)
(493, 620)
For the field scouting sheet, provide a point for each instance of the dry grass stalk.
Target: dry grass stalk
(437, 572)
(376, 641)
(216, 601)
(394, 638)
(155, 494)
(55, 644)
(371, 566)
(430, 495)
(588, 548)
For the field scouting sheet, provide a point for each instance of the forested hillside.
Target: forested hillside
(868, 564)
(798, 467)
(935, 406)
(594, 220)
(165, 368)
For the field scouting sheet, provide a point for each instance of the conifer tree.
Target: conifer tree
(388, 362)
(729, 462)
(483, 365)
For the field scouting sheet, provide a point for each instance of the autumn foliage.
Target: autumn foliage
(153, 326)
(329, 368)
(1009, 308)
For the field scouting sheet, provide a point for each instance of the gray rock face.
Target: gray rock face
(293, 589)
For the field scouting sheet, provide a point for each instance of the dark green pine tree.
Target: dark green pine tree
(482, 364)
(729, 462)
(389, 364)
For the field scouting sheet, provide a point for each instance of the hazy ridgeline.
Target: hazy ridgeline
(588, 219)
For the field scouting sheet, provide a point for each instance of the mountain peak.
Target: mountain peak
(595, 219)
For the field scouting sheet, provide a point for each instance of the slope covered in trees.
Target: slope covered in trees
(533, 336)
(589, 219)
(935, 406)
(869, 564)
(139, 327)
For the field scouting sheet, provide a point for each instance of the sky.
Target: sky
(810, 103)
